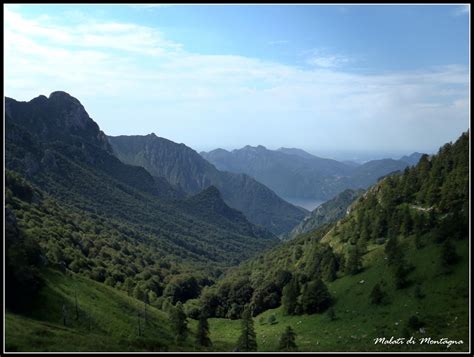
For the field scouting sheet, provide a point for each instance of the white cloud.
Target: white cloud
(125, 71)
(327, 61)
(461, 10)
(321, 58)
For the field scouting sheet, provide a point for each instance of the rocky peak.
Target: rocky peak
(70, 110)
(57, 116)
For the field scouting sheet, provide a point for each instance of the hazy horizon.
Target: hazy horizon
(344, 82)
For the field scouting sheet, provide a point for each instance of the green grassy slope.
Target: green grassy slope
(444, 309)
(114, 323)
(107, 320)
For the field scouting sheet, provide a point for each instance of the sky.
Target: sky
(341, 81)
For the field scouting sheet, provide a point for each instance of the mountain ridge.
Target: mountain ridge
(185, 168)
(79, 172)
(295, 173)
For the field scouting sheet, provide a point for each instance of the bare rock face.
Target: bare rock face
(69, 110)
(59, 117)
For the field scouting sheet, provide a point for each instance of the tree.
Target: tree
(380, 226)
(377, 295)
(354, 261)
(202, 337)
(179, 322)
(329, 270)
(287, 341)
(448, 254)
(291, 291)
(393, 251)
(248, 340)
(401, 270)
(128, 286)
(22, 279)
(138, 293)
(407, 222)
(315, 297)
(419, 224)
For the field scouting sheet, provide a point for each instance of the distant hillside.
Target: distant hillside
(295, 173)
(368, 173)
(297, 152)
(412, 159)
(186, 169)
(328, 212)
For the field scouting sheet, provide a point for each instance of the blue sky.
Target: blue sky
(328, 79)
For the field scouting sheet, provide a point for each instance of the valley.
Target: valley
(136, 243)
(308, 204)
(237, 178)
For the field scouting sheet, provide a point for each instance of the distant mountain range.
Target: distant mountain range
(185, 169)
(412, 159)
(296, 173)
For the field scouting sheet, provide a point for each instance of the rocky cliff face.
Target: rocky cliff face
(179, 164)
(58, 117)
(44, 130)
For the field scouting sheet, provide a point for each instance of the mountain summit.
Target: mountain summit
(59, 117)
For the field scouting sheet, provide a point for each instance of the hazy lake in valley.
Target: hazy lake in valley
(308, 203)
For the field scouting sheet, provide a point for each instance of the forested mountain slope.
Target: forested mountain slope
(405, 237)
(186, 169)
(94, 215)
(329, 211)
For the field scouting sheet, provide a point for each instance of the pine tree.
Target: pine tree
(401, 270)
(128, 286)
(287, 341)
(289, 300)
(393, 251)
(407, 223)
(419, 224)
(248, 340)
(354, 261)
(380, 226)
(315, 297)
(179, 322)
(377, 295)
(329, 270)
(138, 293)
(202, 337)
(448, 254)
